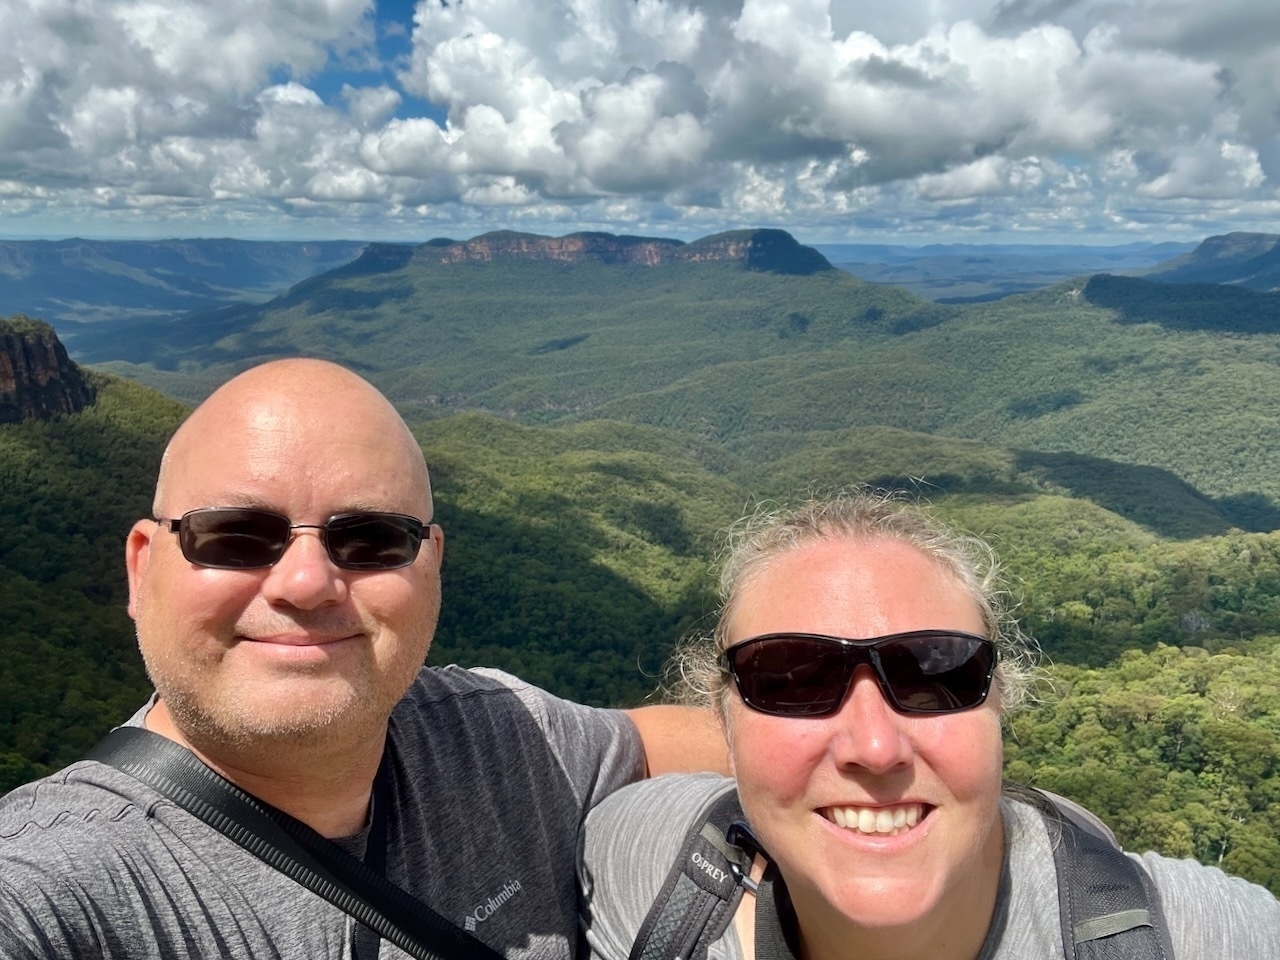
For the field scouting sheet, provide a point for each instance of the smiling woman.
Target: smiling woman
(854, 668)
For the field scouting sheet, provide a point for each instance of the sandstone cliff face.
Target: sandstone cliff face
(37, 379)
(771, 250)
(775, 251)
(507, 245)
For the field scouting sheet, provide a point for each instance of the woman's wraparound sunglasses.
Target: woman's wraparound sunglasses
(809, 675)
(245, 538)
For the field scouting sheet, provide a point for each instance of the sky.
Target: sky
(842, 121)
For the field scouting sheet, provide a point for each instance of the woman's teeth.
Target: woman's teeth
(880, 821)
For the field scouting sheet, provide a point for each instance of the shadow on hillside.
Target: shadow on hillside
(529, 598)
(1150, 496)
(948, 484)
(1186, 306)
(164, 342)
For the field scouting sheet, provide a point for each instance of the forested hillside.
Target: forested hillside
(1175, 748)
(578, 555)
(70, 488)
(1121, 369)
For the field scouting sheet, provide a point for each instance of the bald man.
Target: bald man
(285, 593)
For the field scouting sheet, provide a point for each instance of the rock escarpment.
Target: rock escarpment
(37, 379)
(774, 251)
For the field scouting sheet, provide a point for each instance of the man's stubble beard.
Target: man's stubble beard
(282, 716)
(234, 718)
(250, 717)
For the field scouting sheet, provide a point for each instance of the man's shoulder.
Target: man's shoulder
(483, 694)
(472, 692)
(84, 789)
(93, 863)
(95, 803)
(488, 699)
(470, 726)
(74, 822)
(452, 682)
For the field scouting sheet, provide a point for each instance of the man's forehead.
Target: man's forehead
(278, 450)
(263, 457)
(287, 421)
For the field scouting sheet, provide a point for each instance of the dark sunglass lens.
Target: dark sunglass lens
(791, 676)
(937, 673)
(372, 541)
(233, 539)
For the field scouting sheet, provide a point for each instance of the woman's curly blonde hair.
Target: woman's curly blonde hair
(862, 515)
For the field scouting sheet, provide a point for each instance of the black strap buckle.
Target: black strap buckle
(739, 835)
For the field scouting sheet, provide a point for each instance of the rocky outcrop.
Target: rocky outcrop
(774, 251)
(37, 379)
(507, 245)
(768, 250)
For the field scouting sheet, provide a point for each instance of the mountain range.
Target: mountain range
(752, 341)
(68, 282)
(1249, 260)
(971, 273)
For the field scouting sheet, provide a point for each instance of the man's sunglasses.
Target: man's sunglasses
(809, 675)
(242, 538)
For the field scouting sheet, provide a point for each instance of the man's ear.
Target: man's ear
(137, 556)
(436, 534)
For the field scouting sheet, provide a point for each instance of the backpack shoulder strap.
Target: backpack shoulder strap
(702, 890)
(1109, 908)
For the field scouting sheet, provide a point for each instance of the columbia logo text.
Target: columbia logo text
(487, 909)
(714, 872)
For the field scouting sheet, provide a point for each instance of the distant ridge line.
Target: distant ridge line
(774, 251)
(1250, 260)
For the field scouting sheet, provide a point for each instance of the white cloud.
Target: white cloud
(689, 115)
(499, 191)
(1217, 170)
(230, 47)
(405, 147)
(370, 106)
(988, 176)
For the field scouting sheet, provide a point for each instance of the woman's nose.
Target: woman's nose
(869, 733)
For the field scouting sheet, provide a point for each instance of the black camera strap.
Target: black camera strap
(290, 846)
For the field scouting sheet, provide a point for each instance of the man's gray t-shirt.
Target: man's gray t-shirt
(631, 840)
(490, 781)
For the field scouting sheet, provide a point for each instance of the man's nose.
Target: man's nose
(305, 576)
